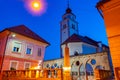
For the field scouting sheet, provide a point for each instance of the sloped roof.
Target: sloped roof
(23, 30)
(79, 38)
(101, 2)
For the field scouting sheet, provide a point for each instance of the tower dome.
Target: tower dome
(68, 10)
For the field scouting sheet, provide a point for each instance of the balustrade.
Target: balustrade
(45, 74)
(102, 74)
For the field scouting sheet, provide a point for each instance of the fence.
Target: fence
(102, 74)
(44, 74)
(117, 72)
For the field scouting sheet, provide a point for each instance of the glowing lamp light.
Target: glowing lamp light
(35, 7)
(13, 35)
(66, 68)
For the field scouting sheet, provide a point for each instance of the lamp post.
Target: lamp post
(66, 68)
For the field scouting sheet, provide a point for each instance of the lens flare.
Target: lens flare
(36, 7)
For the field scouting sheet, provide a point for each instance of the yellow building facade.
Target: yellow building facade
(110, 10)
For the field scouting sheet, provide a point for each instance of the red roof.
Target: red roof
(79, 38)
(23, 30)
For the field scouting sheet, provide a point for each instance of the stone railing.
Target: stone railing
(103, 74)
(44, 74)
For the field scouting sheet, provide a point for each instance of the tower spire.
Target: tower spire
(68, 4)
(68, 10)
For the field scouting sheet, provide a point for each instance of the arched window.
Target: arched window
(47, 66)
(82, 70)
(55, 64)
(76, 53)
(52, 67)
(89, 69)
(77, 63)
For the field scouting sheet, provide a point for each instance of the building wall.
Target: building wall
(20, 63)
(3, 39)
(100, 58)
(73, 47)
(21, 57)
(80, 48)
(111, 14)
(64, 30)
(88, 48)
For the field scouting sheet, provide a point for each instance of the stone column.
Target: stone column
(66, 68)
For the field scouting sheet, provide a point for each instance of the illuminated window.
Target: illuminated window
(39, 51)
(13, 65)
(27, 65)
(29, 51)
(16, 47)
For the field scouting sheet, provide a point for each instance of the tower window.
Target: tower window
(73, 26)
(64, 26)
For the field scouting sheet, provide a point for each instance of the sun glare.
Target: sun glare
(36, 7)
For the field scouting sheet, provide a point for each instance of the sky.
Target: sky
(47, 25)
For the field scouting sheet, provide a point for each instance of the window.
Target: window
(64, 26)
(29, 51)
(55, 64)
(77, 63)
(76, 53)
(47, 65)
(93, 61)
(73, 26)
(39, 51)
(13, 65)
(16, 47)
(27, 65)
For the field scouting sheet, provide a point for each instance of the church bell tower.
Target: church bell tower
(68, 25)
